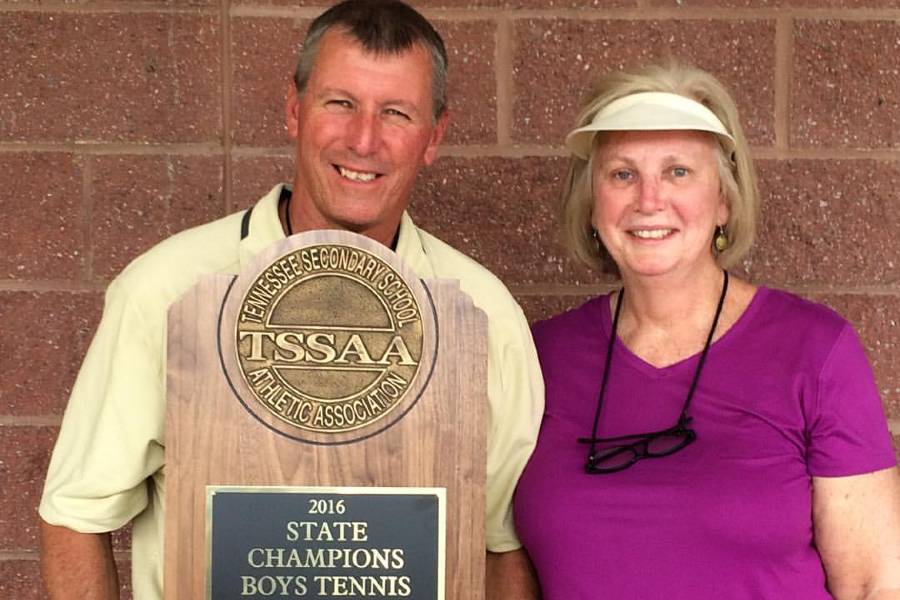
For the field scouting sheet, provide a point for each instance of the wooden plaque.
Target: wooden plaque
(324, 371)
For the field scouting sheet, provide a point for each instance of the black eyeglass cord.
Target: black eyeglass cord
(683, 419)
(286, 200)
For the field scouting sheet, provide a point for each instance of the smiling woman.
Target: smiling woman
(689, 448)
(636, 175)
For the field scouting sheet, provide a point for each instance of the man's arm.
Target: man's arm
(77, 565)
(509, 576)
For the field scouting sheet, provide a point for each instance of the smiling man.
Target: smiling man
(366, 113)
(364, 123)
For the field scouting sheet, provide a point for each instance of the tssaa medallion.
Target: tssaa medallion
(329, 338)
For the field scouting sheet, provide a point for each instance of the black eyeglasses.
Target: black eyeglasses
(608, 455)
(615, 457)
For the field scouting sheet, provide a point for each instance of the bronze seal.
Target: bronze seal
(329, 338)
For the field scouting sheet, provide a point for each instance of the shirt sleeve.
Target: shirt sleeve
(848, 434)
(516, 394)
(111, 438)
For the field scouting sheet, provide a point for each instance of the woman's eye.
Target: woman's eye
(623, 175)
(679, 172)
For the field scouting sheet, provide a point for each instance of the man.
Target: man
(367, 112)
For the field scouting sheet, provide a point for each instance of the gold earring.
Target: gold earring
(596, 237)
(721, 239)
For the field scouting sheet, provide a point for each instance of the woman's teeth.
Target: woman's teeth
(651, 234)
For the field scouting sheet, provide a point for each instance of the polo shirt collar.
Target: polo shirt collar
(265, 229)
(411, 250)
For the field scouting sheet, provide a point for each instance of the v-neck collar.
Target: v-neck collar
(624, 355)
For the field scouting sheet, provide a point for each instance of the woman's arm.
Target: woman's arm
(857, 534)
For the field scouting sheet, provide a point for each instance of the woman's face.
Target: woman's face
(657, 200)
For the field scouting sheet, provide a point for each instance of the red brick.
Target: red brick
(123, 566)
(252, 178)
(567, 55)
(425, 5)
(472, 83)
(265, 51)
(280, 3)
(140, 200)
(502, 213)
(43, 233)
(121, 539)
(877, 320)
(538, 308)
(896, 441)
(55, 328)
(827, 221)
(264, 54)
(24, 454)
(110, 77)
(846, 84)
(843, 3)
(141, 3)
(562, 4)
(693, 4)
(419, 5)
(21, 579)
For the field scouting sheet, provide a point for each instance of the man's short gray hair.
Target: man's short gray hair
(381, 27)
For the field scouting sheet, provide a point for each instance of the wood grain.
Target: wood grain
(213, 440)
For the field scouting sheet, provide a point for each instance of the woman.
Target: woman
(703, 437)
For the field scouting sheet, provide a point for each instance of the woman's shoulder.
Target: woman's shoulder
(787, 306)
(586, 318)
(788, 316)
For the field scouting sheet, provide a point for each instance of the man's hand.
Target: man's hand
(510, 576)
(77, 566)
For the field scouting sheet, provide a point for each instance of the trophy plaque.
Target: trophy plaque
(325, 430)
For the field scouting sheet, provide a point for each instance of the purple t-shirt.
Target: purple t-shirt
(786, 394)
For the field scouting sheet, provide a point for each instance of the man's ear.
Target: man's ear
(437, 135)
(292, 111)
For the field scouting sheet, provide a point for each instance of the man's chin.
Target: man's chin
(381, 230)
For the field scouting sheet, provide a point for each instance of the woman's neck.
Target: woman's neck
(666, 319)
(672, 299)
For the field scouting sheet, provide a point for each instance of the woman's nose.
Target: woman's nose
(650, 198)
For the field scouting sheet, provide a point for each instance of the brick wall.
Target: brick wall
(124, 121)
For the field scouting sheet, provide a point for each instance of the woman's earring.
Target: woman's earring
(721, 240)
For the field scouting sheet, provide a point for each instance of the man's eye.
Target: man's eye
(339, 103)
(679, 172)
(393, 112)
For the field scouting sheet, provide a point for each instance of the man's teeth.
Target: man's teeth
(651, 234)
(356, 175)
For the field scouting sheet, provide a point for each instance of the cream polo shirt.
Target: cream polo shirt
(108, 465)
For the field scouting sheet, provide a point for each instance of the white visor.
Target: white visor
(647, 111)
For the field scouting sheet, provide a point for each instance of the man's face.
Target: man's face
(363, 128)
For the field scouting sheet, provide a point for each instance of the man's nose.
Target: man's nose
(365, 134)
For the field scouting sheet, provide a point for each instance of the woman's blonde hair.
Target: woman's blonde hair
(736, 174)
